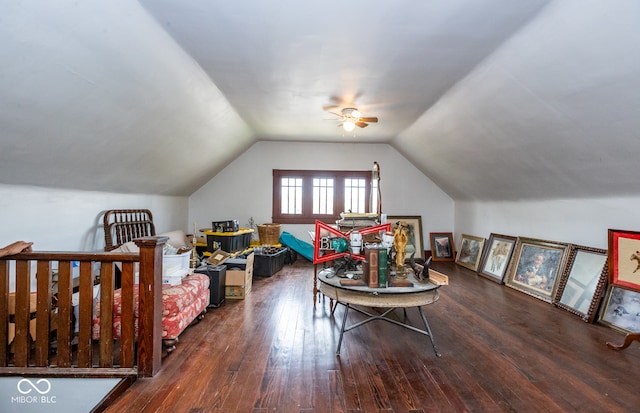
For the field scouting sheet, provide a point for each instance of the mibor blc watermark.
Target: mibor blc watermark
(33, 391)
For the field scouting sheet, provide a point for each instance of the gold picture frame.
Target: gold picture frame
(536, 267)
(470, 251)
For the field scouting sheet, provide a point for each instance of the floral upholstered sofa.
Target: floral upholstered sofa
(182, 304)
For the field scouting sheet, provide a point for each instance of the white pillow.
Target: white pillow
(127, 247)
(177, 239)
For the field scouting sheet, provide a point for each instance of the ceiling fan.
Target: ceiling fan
(351, 117)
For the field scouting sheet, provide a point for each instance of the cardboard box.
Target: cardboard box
(239, 280)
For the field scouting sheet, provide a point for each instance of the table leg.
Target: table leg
(344, 323)
(315, 284)
(426, 325)
(332, 307)
(628, 339)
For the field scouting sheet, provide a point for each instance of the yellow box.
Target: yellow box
(238, 282)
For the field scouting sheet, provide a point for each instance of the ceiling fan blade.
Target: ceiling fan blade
(370, 120)
(362, 124)
(329, 108)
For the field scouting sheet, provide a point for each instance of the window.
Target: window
(301, 197)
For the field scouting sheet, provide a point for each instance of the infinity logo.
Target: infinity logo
(26, 382)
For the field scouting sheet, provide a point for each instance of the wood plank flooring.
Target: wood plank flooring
(502, 351)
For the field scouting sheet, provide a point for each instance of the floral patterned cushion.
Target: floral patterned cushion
(172, 327)
(175, 298)
(181, 304)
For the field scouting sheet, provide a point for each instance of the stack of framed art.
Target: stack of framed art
(621, 307)
(571, 277)
(593, 284)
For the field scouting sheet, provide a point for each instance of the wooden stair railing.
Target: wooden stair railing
(130, 355)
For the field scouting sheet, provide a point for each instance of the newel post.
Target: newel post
(150, 311)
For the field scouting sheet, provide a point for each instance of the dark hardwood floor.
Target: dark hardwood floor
(502, 351)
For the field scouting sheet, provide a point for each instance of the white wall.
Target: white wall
(244, 188)
(579, 221)
(66, 220)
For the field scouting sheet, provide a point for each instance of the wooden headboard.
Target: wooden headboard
(124, 225)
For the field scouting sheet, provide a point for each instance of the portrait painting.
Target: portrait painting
(536, 267)
(496, 256)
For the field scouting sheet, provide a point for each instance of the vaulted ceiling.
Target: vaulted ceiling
(491, 99)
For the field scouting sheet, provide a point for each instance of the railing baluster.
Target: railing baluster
(4, 313)
(65, 310)
(43, 312)
(127, 317)
(26, 356)
(22, 313)
(85, 314)
(106, 316)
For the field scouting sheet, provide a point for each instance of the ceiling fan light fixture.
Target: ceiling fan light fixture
(348, 126)
(356, 113)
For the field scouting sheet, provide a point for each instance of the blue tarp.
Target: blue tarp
(303, 248)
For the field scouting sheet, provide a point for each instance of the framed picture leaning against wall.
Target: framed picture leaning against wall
(621, 310)
(415, 242)
(470, 251)
(536, 266)
(496, 256)
(624, 259)
(583, 282)
(442, 248)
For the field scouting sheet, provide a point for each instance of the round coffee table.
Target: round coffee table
(349, 295)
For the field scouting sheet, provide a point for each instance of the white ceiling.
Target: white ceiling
(492, 99)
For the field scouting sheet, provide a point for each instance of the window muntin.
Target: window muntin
(302, 196)
(323, 190)
(291, 196)
(355, 195)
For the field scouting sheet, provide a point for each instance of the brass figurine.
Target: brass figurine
(400, 239)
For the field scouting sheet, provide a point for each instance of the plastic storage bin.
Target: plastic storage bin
(265, 265)
(229, 241)
(217, 280)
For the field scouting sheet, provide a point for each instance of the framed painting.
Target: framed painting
(624, 259)
(583, 282)
(442, 248)
(536, 267)
(496, 256)
(415, 242)
(470, 251)
(621, 309)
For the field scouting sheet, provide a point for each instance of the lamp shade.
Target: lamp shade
(348, 126)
